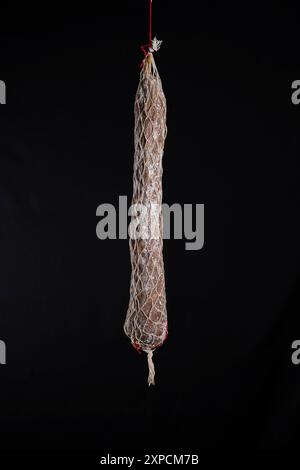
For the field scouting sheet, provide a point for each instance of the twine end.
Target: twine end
(151, 369)
(155, 45)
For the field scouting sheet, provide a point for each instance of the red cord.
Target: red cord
(150, 23)
(145, 47)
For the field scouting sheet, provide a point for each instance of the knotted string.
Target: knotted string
(151, 369)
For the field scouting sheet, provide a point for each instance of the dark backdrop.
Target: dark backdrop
(225, 379)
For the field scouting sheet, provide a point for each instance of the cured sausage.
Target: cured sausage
(146, 320)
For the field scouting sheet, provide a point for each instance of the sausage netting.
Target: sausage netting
(146, 320)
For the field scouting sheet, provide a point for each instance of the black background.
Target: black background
(225, 379)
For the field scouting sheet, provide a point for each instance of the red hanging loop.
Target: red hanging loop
(145, 47)
(150, 22)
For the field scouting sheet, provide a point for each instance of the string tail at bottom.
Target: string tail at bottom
(151, 368)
